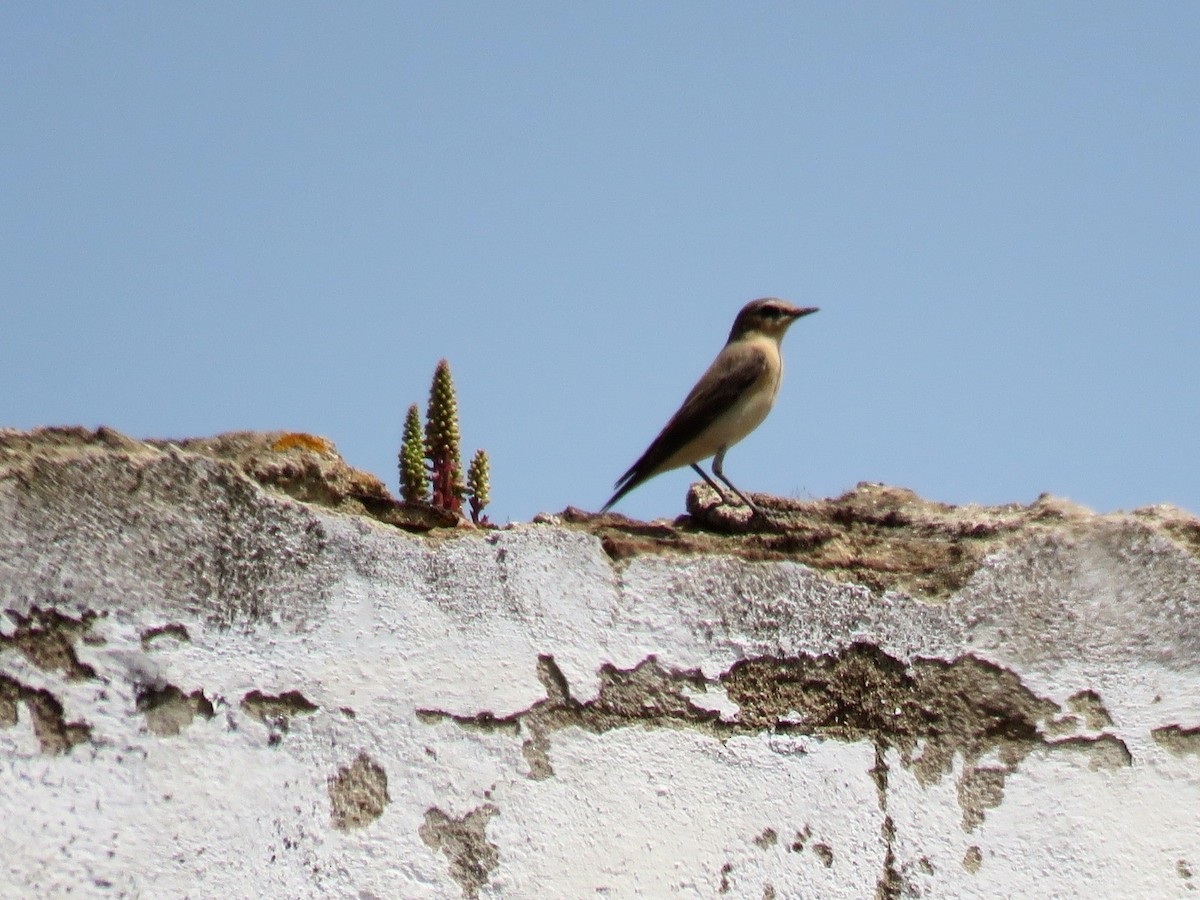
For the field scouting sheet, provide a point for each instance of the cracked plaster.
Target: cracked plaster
(313, 703)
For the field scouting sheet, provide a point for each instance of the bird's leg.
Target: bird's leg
(712, 484)
(718, 470)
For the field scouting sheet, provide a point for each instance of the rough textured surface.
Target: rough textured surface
(883, 537)
(358, 793)
(471, 855)
(245, 645)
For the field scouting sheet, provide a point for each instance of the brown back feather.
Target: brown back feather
(727, 379)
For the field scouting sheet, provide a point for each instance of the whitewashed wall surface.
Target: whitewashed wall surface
(232, 668)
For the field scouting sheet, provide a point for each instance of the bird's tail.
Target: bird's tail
(624, 485)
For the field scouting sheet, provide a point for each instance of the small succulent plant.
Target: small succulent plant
(478, 488)
(414, 478)
(431, 466)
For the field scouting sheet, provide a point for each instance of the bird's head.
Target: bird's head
(769, 316)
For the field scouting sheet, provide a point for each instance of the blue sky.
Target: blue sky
(225, 216)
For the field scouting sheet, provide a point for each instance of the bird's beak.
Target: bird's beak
(806, 311)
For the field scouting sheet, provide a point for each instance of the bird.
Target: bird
(729, 401)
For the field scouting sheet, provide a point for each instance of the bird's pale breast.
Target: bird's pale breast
(742, 417)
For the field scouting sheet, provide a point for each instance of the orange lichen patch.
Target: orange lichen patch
(302, 466)
(298, 440)
(321, 477)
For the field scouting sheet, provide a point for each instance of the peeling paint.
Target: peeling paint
(168, 710)
(172, 630)
(1104, 751)
(972, 859)
(980, 789)
(1178, 740)
(358, 793)
(46, 637)
(1088, 705)
(930, 711)
(472, 857)
(54, 733)
(277, 708)
(816, 705)
(646, 694)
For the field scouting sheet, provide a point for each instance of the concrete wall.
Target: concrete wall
(209, 688)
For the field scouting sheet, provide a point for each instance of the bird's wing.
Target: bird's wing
(727, 379)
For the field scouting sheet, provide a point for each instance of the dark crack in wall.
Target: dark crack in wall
(647, 694)
(929, 712)
(890, 884)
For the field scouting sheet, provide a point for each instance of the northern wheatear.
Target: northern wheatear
(728, 402)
